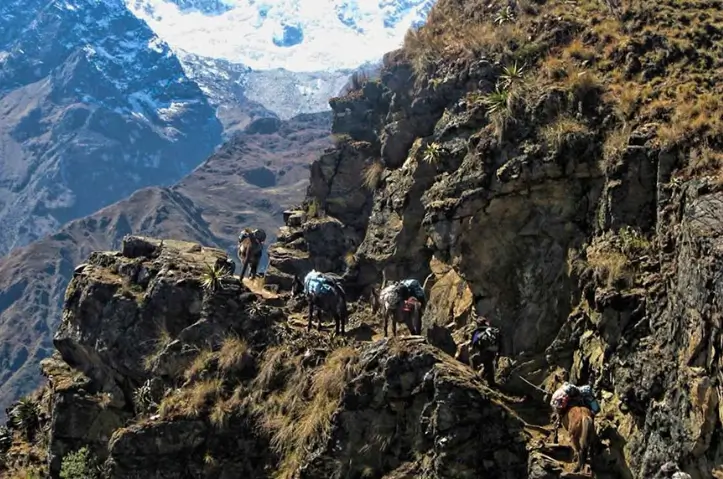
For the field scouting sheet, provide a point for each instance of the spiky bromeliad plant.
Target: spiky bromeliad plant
(497, 100)
(25, 416)
(432, 153)
(143, 398)
(507, 15)
(212, 277)
(511, 74)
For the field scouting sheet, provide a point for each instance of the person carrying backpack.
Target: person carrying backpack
(485, 348)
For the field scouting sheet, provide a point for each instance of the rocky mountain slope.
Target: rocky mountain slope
(88, 92)
(249, 181)
(553, 166)
(93, 106)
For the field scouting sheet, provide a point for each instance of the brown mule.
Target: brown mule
(579, 422)
(249, 252)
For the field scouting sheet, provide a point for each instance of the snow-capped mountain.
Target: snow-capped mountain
(93, 106)
(297, 35)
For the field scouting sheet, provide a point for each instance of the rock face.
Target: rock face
(571, 230)
(162, 372)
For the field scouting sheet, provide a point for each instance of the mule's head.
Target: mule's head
(413, 307)
(297, 287)
(374, 300)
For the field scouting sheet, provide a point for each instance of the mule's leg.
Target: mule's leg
(243, 270)
(311, 314)
(254, 269)
(395, 319)
(578, 452)
(386, 323)
(319, 314)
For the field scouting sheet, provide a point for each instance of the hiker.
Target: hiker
(569, 395)
(482, 349)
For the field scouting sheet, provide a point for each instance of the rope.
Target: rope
(528, 382)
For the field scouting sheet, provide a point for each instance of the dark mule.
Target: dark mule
(579, 422)
(408, 312)
(331, 302)
(249, 252)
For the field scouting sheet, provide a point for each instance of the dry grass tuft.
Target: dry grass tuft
(698, 116)
(373, 174)
(557, 134)
(202, 363)
(447, 35)
(160, 343)
(191, 401)
(614, 147)
(609, 264)
(613, 256)
(298, 413)
(234, 354)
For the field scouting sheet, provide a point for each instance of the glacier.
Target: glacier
(327, 34)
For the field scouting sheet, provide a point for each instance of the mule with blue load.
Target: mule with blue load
(325, 294)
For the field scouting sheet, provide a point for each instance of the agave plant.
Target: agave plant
(25, 416)
(497, 100)
(143, 397)
(505, 16)
(432, 152)
(212, 277)
(511, 74)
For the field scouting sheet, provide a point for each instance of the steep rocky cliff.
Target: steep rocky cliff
(556, 170)
(551, 166)
(253, 177)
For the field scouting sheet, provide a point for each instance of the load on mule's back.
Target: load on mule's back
(326, 295)
(403, 301)
(575, 407)
(250, 248)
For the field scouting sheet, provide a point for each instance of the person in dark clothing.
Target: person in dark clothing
(485, 348)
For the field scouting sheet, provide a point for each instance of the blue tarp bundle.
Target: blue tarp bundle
(414, 287)
(316, 284)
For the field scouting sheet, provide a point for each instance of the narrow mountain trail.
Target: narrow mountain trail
(363, 326)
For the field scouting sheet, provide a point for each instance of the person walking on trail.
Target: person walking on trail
(482, 349)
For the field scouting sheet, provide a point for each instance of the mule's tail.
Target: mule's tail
(586, 439)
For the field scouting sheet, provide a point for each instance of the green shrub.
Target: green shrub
(80, 464)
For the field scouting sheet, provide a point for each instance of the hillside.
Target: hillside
(551, 166)
(248, 181)
(93, 106)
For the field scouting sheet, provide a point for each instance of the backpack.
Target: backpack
(588, 398)
(486, 338)
(414, 288)
(317, 284)
(260, 235)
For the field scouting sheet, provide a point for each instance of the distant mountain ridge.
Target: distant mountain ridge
(209, 205)
(93, 106)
